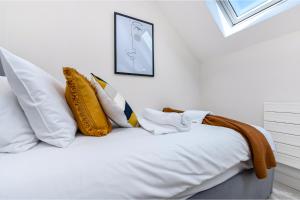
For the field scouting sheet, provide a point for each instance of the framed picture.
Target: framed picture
(134, 46)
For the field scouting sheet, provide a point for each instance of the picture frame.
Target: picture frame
(133, 46)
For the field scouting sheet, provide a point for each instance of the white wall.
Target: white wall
(80, 34)
(236, 85)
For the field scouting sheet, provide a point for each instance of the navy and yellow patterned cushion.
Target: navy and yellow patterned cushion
(114, 105)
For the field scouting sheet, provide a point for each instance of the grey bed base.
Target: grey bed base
(244, 185)
(1, 69)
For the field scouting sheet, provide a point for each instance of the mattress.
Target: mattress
(128, 163)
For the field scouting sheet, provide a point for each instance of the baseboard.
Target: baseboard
(288, 176)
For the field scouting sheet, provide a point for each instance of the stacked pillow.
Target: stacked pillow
(16, 133)
(34, 106)
(42, 100)
(90, 107)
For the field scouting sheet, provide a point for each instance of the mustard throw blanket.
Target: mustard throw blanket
(261, 152)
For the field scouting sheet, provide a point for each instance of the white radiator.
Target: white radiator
(282, 120)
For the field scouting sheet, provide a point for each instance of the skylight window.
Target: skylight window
(242, 7)
(232, 16)
(239, 10)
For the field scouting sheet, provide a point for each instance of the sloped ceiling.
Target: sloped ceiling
(194, 23)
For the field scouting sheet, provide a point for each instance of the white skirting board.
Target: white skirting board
(288, 176)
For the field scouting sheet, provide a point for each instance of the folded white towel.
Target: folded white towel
(197, 116)
(178, 120)
(158, 122)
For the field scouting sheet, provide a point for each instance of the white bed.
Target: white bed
(128, 163)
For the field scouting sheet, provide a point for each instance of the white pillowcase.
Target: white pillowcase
(42, 99)
(16, 134)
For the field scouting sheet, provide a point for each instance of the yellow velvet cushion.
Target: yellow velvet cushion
(84, 104)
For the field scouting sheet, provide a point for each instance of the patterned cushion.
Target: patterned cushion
(84, 104)
(114, 105)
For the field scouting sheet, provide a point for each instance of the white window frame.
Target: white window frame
(235, 19)
(228, 28)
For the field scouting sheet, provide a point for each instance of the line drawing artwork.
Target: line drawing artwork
(137, 31)
(134, 54)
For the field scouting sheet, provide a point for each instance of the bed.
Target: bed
(207, 162)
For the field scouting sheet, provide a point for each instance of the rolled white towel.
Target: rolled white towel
(158, 122)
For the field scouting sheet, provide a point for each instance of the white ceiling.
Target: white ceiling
(194, 23)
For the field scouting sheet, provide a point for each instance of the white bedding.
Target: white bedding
(128, 163)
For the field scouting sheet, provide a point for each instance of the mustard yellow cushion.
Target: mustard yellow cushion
(84, 104)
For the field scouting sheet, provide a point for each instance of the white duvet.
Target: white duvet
(128, 163)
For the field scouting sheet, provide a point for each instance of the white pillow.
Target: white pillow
(42, 99)
(16, 134)
(114, 105)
